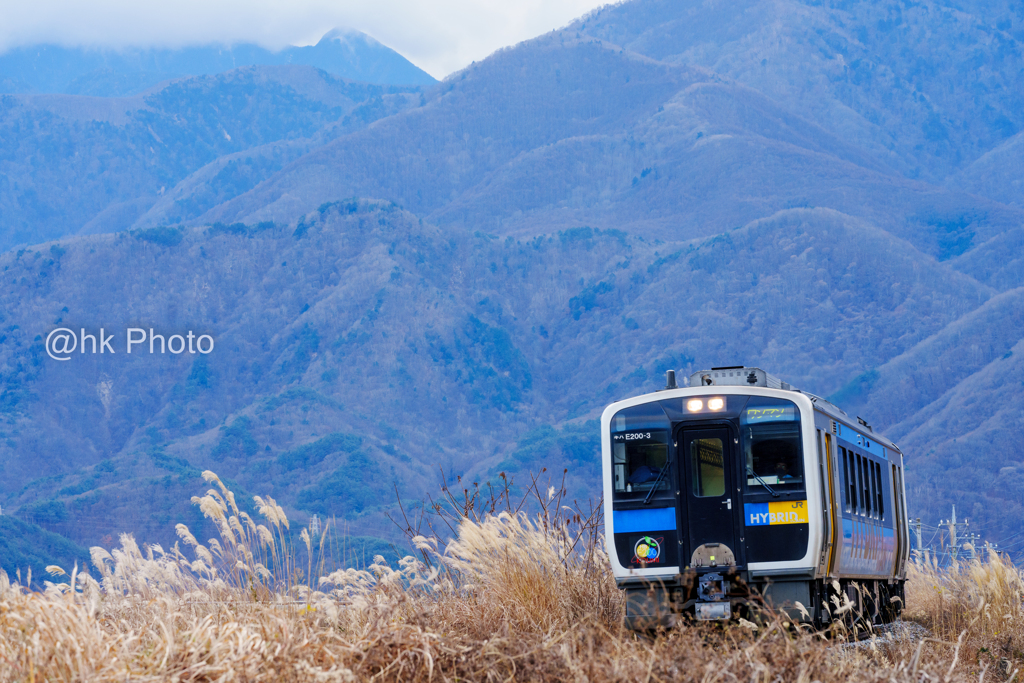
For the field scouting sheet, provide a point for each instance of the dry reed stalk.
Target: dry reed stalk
(978, 604)
(510, 598)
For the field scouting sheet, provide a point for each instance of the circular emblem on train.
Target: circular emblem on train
(647, 549)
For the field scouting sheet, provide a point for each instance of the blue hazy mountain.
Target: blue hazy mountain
(463, 274)
(347, 54)
(645, 116)
(669, 151)
(358, 349)
(89, 164)
(27, 550)
(719, 115)
(927, 87)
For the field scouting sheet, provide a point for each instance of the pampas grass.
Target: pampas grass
(510, 596)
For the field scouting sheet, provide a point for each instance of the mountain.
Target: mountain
(669, 152)
(952, 401)
(628, 119)
(997, 173)
(344, 53)
(84, 164)
(704, 140)
(401, 280)
(925, 86)
(26, 550)
(359, 349)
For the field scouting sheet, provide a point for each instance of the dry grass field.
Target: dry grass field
(510, 597)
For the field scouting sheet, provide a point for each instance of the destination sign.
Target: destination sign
(769, 414)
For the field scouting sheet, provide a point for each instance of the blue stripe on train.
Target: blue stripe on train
(653, 519)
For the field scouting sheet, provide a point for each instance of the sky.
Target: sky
(439, 36)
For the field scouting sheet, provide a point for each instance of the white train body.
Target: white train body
(740, 490)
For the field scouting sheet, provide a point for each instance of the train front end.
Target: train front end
(710, 498)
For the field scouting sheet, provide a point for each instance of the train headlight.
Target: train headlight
(716, 404)
(695, 405)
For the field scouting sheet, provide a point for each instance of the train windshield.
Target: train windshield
(770, 431)
(639, 438)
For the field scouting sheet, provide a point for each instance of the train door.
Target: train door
(824, 470)
(899, 515)
(835, 502)
(707, 457)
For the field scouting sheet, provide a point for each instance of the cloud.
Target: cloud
(440, 36)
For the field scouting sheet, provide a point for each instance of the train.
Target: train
(740, 492)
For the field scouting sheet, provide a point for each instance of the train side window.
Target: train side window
(881, 498)
(854, 484)
(846, 479)
(867, 487)
(872, 504)
(850, 492)
(859, 483)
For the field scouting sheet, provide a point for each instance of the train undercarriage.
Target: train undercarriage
(730, 595)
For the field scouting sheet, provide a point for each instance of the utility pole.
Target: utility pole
(953, 541)
(917, 532)
(952, 535)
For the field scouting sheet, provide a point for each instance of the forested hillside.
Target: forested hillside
(359, 349)
(84, 165)
(464, 275)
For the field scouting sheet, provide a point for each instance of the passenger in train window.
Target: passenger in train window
(644, 473)
(638, 464)
(782, 471)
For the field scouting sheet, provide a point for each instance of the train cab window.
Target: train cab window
(639, 437)
(770, 430)
(708, 467)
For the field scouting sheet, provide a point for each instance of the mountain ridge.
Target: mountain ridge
(345, 53)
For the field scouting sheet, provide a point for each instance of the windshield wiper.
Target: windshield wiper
(751, 473)
(657, 481)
